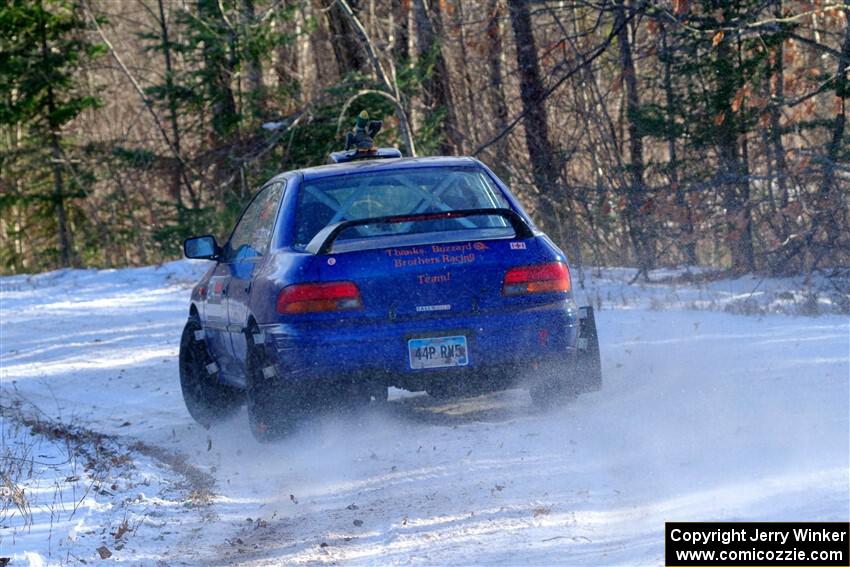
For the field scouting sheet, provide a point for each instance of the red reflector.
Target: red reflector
(542, 278)
(318, 297)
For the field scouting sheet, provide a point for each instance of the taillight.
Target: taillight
(318, 297)
(537, 279)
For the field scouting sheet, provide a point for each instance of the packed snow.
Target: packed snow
(717, 404)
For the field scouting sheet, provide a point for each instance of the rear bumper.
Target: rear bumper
(310, 351)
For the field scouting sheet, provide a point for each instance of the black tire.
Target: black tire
(274, 404)
(556, 385)
(207, 400)
(552, 386)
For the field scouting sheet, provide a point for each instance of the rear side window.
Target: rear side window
(250, 238)
(331, 200)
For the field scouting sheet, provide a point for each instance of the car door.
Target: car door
(247, 248)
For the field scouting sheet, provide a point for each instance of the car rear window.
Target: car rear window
(327, 201)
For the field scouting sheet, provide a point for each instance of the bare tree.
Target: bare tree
(438, 92)
(540, 150)
(496, 92)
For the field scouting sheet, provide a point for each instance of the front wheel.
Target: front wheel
(207, 400)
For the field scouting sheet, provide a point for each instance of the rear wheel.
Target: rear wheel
(552, 386)
(556, 385)
(274, 404)
(207, 400)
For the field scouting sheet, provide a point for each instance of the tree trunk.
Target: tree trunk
(255, 88)
(470, 111)
(731, 171)
(777, 98)
(540, 150)
(496, 91)
(347, 51)
(438, 93)
(66, 254)
(400, 27)
(832, 206)
(638, 209)
(689, 247)
(177, 176)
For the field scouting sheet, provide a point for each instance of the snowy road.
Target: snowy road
(703, 415)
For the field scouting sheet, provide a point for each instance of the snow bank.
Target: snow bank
(700, 289)
(71, 497)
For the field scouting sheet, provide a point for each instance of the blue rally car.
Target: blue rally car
(341, 280)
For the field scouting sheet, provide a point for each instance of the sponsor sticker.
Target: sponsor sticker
(517, 245)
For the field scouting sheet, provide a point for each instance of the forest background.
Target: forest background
(637, 133)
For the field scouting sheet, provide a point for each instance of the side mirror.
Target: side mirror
(201, 248)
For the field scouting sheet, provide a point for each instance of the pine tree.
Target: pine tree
(42, 47)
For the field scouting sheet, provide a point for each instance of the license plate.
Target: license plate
(438, 352)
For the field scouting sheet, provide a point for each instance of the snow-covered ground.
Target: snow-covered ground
(705, 414)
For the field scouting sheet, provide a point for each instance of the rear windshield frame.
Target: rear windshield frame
(495, 194)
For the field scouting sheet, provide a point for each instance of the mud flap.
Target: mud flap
(588, 362)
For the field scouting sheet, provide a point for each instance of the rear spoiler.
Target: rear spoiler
(323, 242)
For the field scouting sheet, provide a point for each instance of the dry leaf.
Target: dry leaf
(718, 37)
(738, 100)
(541, 511)
(719, 119)
(122, 529)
